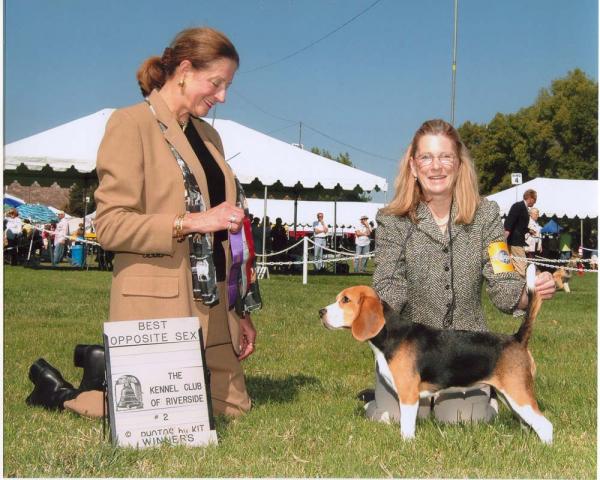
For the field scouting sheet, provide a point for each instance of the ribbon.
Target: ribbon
(236, 244)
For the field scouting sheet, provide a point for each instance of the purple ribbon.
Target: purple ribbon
(236, 244)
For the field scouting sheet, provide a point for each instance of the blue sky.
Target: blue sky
(369, 85)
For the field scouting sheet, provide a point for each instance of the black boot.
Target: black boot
(91, 359)
(50, 389)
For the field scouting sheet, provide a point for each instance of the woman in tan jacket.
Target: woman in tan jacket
(163, 180)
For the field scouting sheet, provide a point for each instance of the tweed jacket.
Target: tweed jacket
(418, 271)
(141, 192)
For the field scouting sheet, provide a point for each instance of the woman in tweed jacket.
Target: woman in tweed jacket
(437, 241)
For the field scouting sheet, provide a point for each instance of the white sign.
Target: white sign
(157, 383)
(516, 178)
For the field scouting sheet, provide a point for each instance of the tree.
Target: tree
(343, 158)
(76, 205)
(556, 136)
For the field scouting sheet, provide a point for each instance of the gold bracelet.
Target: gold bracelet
(179, 226)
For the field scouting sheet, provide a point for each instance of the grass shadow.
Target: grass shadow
(266, 389)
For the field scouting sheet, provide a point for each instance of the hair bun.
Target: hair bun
(167, 57)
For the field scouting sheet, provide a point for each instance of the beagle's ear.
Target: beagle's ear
(369, 320)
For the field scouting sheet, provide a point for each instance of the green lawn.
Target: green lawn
(303, 379)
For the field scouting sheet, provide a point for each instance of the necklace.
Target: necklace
(183, 125)
(440, 222)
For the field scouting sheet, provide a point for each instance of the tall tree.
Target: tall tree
(556, 136)
(76, 205)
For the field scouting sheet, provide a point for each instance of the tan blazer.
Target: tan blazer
(141, 192)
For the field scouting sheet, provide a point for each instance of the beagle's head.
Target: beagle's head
(357, 308)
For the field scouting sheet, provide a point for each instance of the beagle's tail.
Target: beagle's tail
(535, 303)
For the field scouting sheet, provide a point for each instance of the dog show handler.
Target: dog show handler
(437, 241)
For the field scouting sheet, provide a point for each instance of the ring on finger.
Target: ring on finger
(233, 219)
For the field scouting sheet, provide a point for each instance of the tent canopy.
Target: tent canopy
(64, 154)
(551, 227)
(555, 196)
(252, 155)
(37, 213)
(67, 153)
(12, 201)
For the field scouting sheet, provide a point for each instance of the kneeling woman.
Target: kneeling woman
(436, 244)
(163, 180)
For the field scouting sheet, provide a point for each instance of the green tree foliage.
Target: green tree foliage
(343, 158)
(76, 205)
(556, 137)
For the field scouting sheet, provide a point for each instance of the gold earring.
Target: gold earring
(181, 83)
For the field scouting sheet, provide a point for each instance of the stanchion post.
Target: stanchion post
(305, 260)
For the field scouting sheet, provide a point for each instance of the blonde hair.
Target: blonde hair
(409, 192)
(201, 46)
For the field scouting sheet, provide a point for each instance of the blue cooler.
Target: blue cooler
(77, 258)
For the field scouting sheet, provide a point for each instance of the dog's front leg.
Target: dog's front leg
(408, 419)
(407, 382)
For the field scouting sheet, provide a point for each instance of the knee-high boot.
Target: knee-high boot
(50, 389)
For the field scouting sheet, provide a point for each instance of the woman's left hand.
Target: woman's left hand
(544, 285)
(247, 337)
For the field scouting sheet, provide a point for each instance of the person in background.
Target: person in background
(279, 242)
(320, 231)
(257, 235)
(14, 233)
(61, 235)
(564, 244)
(515, 228)
(265, 231)
(362, 242)
(533, 237)
(14, 225)
(47, 238)
(438, 242)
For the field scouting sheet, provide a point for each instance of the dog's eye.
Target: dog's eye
(345, 299)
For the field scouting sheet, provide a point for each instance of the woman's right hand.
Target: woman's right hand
(222, 217)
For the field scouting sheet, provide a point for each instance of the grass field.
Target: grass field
(303, 379)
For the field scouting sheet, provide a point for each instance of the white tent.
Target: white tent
(347, 213)
(560, 197)
(73, 144)
(251, 155)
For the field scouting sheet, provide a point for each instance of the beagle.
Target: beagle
(416, 360)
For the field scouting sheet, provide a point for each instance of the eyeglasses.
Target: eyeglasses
(426, 159)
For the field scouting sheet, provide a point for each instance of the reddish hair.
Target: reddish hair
(201, 46)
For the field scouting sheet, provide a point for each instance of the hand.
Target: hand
(247, 337)
(222, 217)
(544, 285)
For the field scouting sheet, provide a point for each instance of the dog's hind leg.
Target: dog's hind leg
(522, 401)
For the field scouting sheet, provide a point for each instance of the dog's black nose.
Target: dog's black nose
(322, 312)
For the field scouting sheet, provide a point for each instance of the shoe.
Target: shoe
(50, 389)
(91, 359)
(518, 313)
(366, 395)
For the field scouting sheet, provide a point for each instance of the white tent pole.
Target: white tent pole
(305, 260)
(581, 235)
(335, 232)
(264, 235)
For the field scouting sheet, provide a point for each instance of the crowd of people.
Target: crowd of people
(277, 238)
(30, 244)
